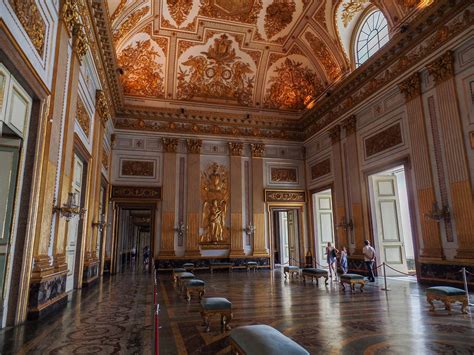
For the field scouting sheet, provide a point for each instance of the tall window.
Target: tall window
(373, 34)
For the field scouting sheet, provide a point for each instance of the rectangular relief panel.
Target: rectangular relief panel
(137, 168)
(389, 217)
(138, 192)
(283, 175)
(321, 169)
(393, 254)
(384, 140)
(285, 196)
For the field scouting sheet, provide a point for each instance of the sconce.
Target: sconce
(249, 229)
(101, 224)
(345, 225)
(70, 209)
(181, 228)
(438, 214)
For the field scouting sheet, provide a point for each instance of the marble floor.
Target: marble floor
(115, 316)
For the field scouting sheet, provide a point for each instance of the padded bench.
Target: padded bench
(216, 305)
(252, 265)
(213, 266)
(447, 295)
(315, 274)
(181, 276)
(291, 271)
(188, 266)
(193, 286)
(263, 339)
(352, 280)
(176, 272)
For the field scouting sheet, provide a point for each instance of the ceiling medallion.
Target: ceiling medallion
(218, 73)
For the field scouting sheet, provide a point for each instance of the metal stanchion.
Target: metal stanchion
(385, 288)
(465, 287)
(157, 327)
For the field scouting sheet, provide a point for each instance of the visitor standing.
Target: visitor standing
(369, 257)
(331, 254)
(344, 260)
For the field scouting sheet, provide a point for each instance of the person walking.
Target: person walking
(331, 254)
(344, 260)
(369, 257)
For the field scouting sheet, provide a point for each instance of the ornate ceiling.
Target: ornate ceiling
(254, 62)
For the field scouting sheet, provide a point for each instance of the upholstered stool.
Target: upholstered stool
(188, 266)
(263, 339)
(216, 305)
(352, 280)
(447, 295)
(313, 273)
(252, 265)
(291, 271)
(176, 272)
(184, 276)
(193, 285)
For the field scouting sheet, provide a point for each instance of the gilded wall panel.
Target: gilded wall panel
(83, 117)
(321, 169)
(384, 140)
(142, 168)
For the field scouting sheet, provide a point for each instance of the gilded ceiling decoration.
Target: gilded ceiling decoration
(217, 73)
(321, 50)
(142, 74)
(129, 23)
(350, 9)
(179, 10)
(279, 14)
(245, 11)
(291, 84)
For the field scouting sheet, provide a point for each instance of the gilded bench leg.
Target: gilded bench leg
(464, 306)
(362, 285)
(429, 299)
(286, 276)
(188, 295)
(205, 318)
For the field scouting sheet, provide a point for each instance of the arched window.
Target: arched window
(373, 34)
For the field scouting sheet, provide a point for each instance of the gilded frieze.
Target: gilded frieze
(321, 51)
(142, 74)
(321, 169)
(290, 85)
(388, 138)
(30, 18)
(83, 117)
(179, 10)
(137, 192)
(285, 196)
(278, 16)
(129, 23)
(137, 168)
(245, 11)
(280, 175)
(218, 73)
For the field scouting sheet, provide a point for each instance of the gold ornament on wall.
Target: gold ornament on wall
(236, 149)
(83, 117)
(350, 9)
(102, 106)
(129, 23)
(215, 197)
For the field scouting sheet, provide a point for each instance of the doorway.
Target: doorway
(391, 220)
(286, 237)
(323, 223)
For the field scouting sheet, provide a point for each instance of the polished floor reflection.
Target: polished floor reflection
(325, 320)
(113, 317)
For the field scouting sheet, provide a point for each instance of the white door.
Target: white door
(283, 221)
(324, 224)
(73, 224)
(387, 223)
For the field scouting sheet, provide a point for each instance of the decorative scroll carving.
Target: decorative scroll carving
(279, 14)
(321, 51)
(138, 168)
(80, 44)
(215, 196)
(442, 68)
(245, 11)
(118, 10)
(83, 117)
(129, 23)
(101, 106)
(32, 21)
(321, 169)
(258, 150)
(170, 145)
(179, 10)
(285, 196)
(105, 159)
(70, 14)
(335, 134)
(290, 85)
(284, 174)
(140, 192)
(388, 138)
(350, 125)
(411, 87)
(350, 9)
(194, 146)
(236, 149)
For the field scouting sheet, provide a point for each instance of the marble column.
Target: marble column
(340, 210)
(236, 194)
(457, 171)
(430, 238)
(168, 203)
(193, 197)
(258, 202)
(351, 160)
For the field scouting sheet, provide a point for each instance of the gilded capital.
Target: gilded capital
(101, 106)
(350, 124)
(335, 134)
(170, 145)
(194, 146)
(442, 68)
(258, 149)
(80, 44)
(411, 87)
(236, 149)
(70, 14)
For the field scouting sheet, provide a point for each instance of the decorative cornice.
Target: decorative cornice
(335, 134)
(101, 106)
(236, 149)
(350, 125)
(442, 68)
(411, 87)
(258, 150)
(194, 146)
(170, 145)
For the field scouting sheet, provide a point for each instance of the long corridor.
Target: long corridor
(114, 316)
